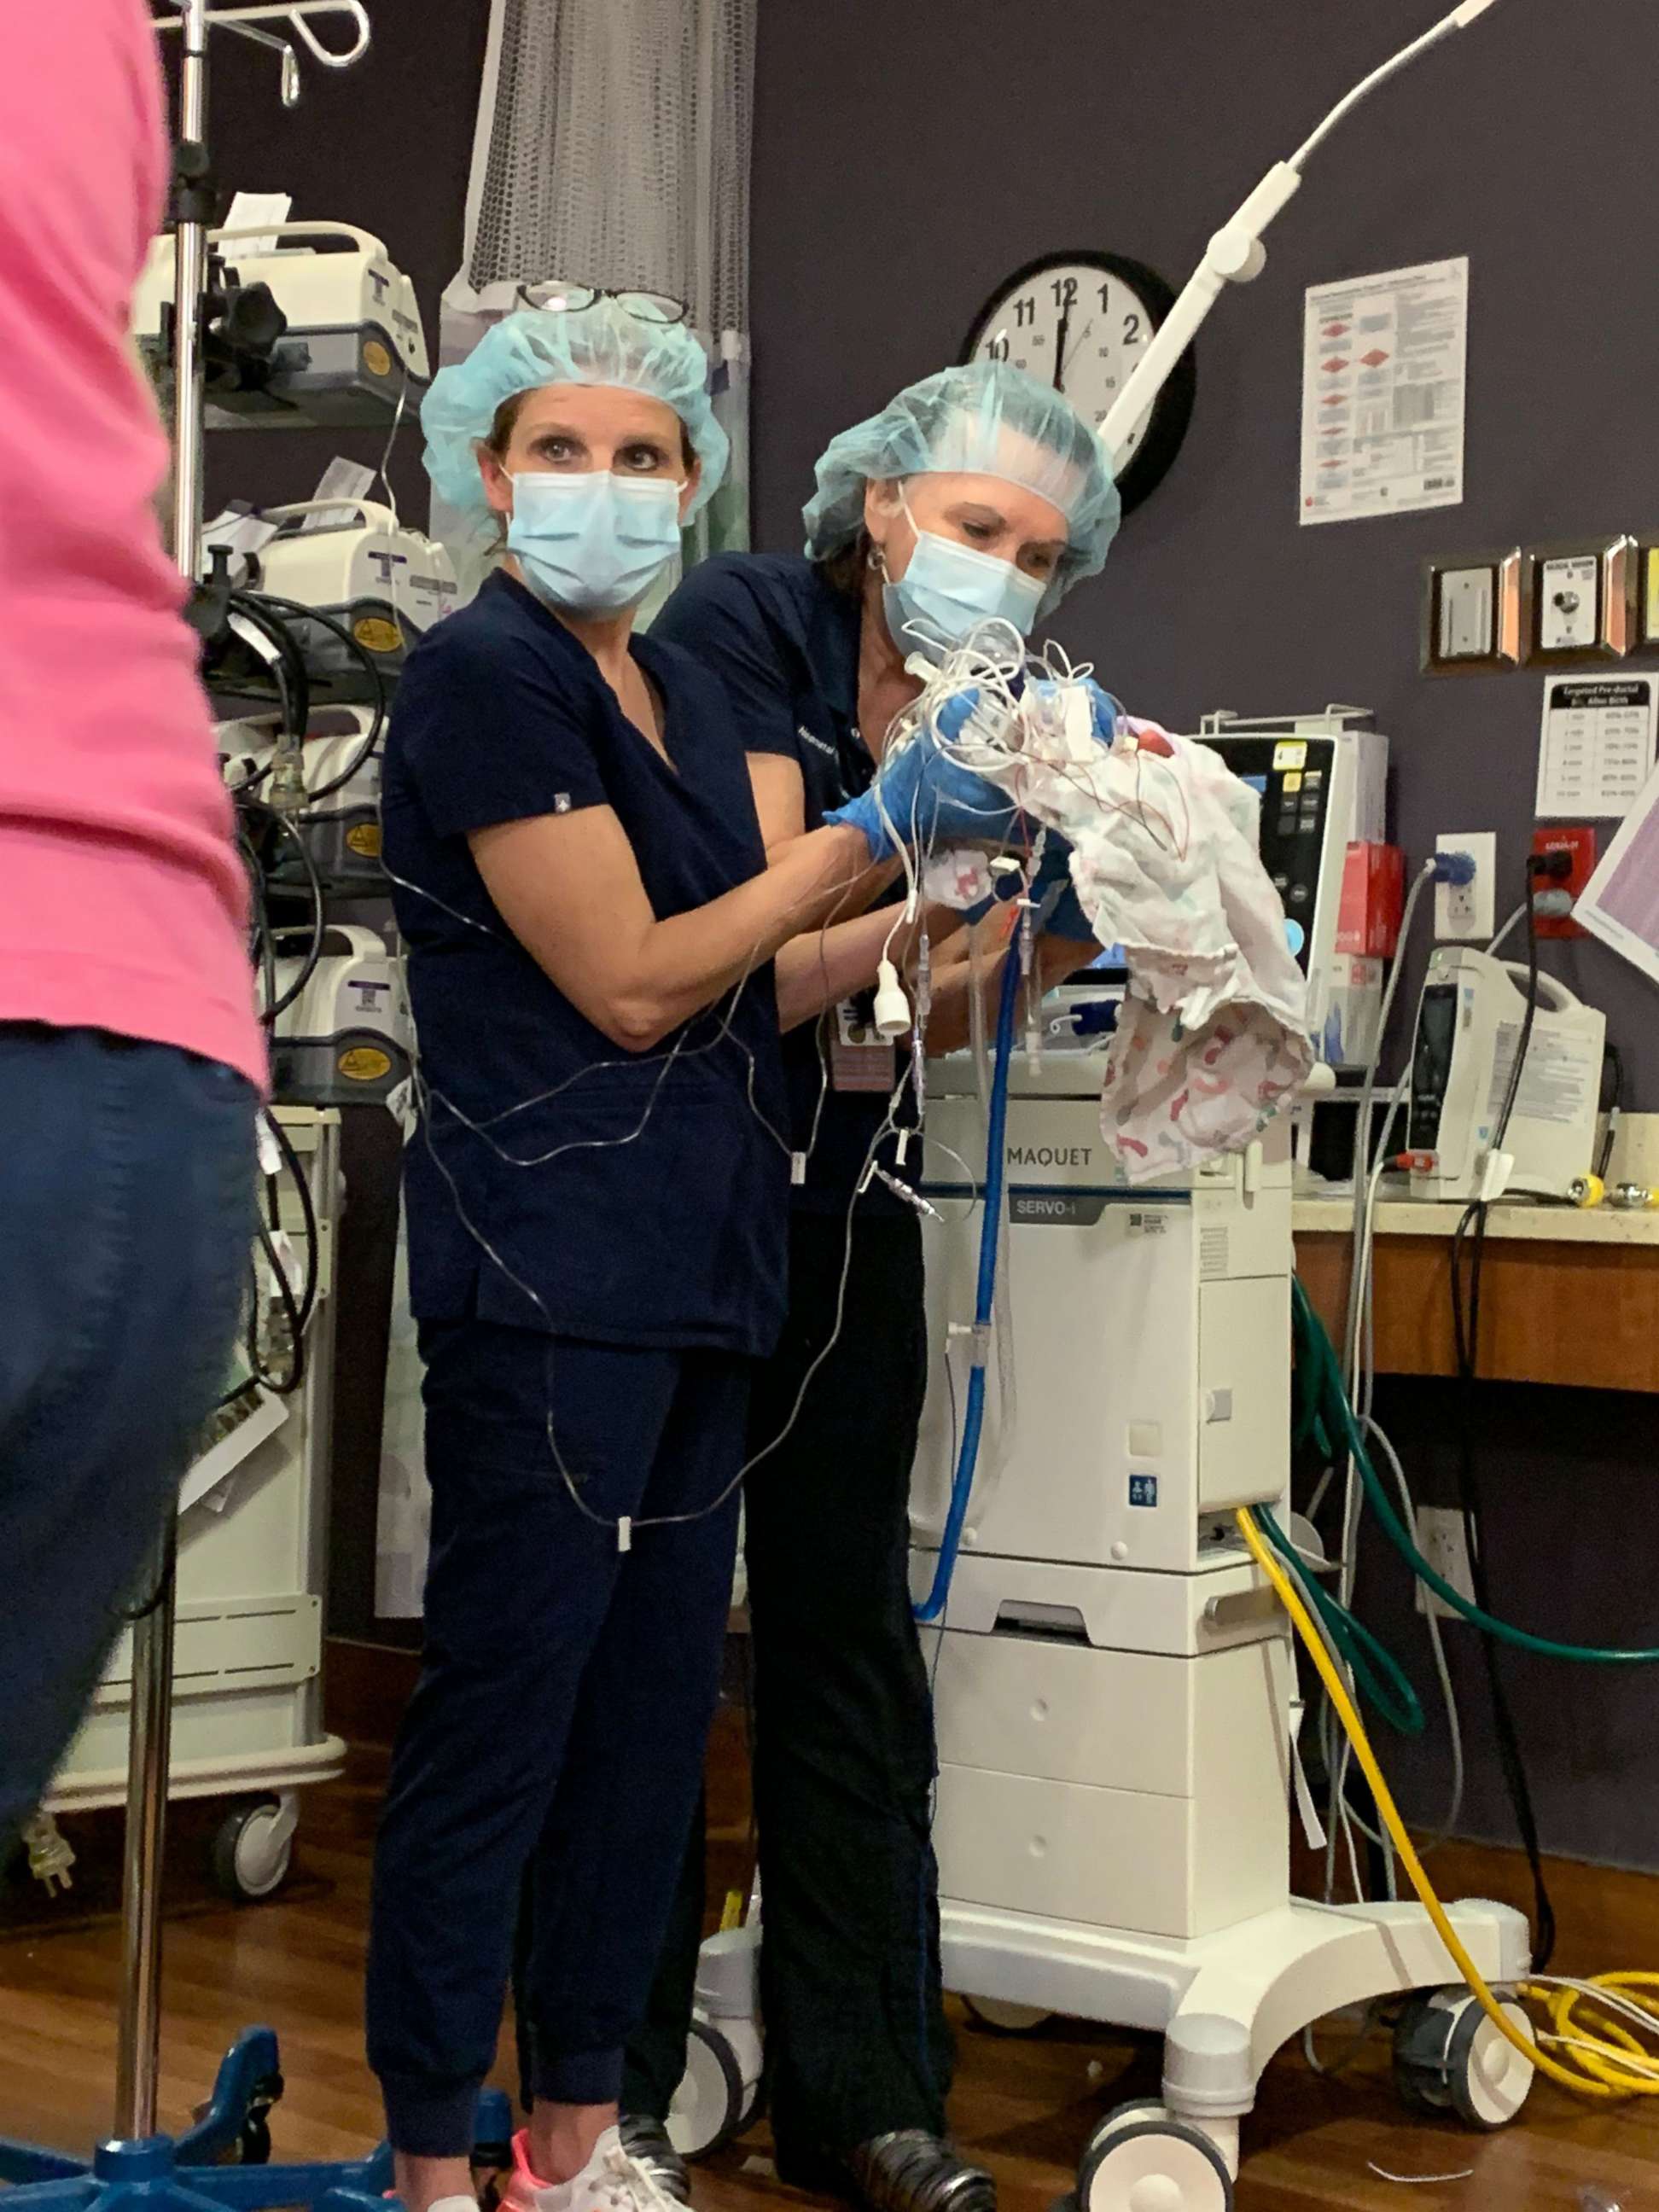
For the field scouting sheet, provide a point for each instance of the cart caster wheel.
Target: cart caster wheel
(751, 2110)
(251, 1851)
(1142, 2160)
(709, 2105)
(1122, 2116)
(1449, 2057)
(1005, 2019)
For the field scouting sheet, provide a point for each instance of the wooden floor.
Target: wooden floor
(1024, 2104)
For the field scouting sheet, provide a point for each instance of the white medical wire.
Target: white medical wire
(997, 672)
(663, 1060)
(1367, 1182)
(1512, 923)
(1454, 1812)
(1362, 1148)
(669, 1520)
(1364, 1362)
(426, 1096)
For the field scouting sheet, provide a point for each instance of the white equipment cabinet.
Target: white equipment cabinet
(1115, 1700)
(247, 1720)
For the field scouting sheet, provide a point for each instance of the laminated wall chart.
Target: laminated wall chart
(1383, 379)
(1595, 749)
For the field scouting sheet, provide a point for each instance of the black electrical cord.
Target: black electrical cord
(286, 1385)
(307, 1212)
(289, 670)
(292, 608)
(263, 953)
(274, 1006)
(1469, 1241)
(1612, 1104)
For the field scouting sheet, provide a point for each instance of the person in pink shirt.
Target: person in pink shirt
(131, 1058)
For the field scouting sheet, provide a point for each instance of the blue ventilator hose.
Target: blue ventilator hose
(962, 1483)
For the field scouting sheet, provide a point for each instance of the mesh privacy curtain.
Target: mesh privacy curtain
(612, 148)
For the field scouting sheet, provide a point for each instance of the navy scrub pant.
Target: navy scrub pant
(559, 1723)
(857, 2042)
(127, 1187)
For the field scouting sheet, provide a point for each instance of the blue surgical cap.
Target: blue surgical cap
(985, 418)
(602, 343)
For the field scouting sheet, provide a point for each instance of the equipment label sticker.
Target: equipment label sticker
(1056, 1209)
(1143, 1490)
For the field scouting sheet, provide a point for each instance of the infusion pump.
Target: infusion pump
(338, 343)
(1322, 780)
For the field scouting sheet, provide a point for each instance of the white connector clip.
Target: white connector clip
(270, 1151)
(912, 1199)
(892, 1007)
(625, 1533)
(1495, 1172)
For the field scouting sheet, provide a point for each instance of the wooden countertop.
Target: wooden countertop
(1320, 1212)
(1569, 1296)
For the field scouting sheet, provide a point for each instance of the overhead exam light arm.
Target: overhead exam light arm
(1235, 254)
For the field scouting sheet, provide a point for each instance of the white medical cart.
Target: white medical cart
(247, 1721)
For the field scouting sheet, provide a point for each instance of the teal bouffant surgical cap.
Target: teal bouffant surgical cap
(984, 418)
(602, 343)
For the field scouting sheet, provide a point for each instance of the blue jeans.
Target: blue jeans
(127, 1187)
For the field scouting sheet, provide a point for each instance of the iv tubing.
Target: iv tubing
(962, 1483)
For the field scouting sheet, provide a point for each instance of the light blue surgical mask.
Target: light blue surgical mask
(948, 587)
(592, 544)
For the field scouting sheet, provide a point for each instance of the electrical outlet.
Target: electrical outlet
(1579, 845)
(1466, 914)
(1444, 1542)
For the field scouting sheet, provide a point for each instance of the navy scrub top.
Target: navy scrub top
(677, 1238)
(784, 643)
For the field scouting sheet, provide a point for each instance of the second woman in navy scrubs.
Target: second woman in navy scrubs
(597, 1199)
(977, 492)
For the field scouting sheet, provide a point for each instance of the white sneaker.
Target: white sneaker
(610, 2181)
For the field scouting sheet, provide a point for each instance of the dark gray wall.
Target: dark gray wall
(909, 157)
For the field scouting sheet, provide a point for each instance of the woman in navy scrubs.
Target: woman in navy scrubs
(596, 1200)
(977, 492)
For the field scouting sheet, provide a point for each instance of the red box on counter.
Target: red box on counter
(1373, 895)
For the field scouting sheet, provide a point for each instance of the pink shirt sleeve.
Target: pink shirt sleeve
(122, 899)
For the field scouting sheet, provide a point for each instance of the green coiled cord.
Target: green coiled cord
(1326, 1414)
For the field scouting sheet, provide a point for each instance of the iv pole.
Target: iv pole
(150, 1735)
(1236, 255)
(189, 2175)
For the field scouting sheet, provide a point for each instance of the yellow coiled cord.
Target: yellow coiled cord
(1601, 2054)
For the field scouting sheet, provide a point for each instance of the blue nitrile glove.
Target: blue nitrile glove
(926, 798)
(1059, 912)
